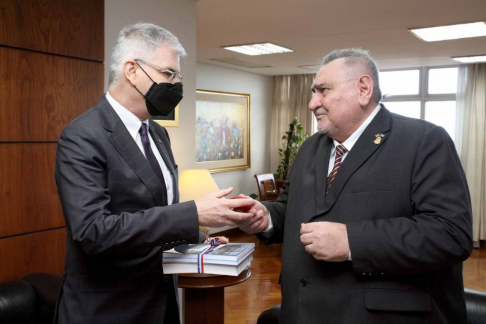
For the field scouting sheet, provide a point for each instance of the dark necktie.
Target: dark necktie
(149, 154)
(340, 150)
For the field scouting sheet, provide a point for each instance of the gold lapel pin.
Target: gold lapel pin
(378, 138)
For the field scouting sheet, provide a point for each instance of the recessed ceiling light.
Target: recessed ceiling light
(311, 67)
(235, 61)
(470, 59)
(434, 34)
(258, 49)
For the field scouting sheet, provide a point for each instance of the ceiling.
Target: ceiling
(312, 28)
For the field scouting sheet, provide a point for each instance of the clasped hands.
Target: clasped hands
(216, 212)
(323, 240)
(326, 241)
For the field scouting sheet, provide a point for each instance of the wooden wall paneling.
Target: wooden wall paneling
(51, 71)
(38, 252)
(28, 193)
(42, 93)
(67, 27)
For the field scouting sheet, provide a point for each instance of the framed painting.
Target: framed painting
(171, 120)
(222, 130)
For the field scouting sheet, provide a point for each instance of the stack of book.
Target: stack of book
(225, 259)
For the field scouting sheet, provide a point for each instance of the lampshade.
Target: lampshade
(195, 184)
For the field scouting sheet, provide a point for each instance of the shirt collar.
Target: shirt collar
(131, 122)
(349, 143)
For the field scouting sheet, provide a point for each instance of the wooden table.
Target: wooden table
(204, 296)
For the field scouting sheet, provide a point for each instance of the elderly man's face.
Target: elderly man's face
(335, 100)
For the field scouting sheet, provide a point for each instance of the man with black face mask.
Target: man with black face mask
(117, 180)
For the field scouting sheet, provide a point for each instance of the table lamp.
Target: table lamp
(195, 184)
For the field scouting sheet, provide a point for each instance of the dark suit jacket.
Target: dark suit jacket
(116, 226)
(407, 209)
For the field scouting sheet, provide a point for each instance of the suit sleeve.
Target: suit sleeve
(438, 235)
(82, 179)
(278, 208)
(277, 211)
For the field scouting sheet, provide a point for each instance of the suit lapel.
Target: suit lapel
(129, 150)
(162, 142)
(359, 154)
(321, 167)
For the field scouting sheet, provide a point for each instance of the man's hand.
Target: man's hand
(325, 240)
(213, 211)
(260, 220)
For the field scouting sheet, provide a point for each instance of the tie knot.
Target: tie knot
(340, 150)
(143, 129)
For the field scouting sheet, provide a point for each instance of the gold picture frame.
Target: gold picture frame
(222, 131)
(171, 120)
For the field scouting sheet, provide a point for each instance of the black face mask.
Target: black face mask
(162, 98)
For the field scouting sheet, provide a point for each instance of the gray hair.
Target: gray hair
(362, 61)
(138, 41)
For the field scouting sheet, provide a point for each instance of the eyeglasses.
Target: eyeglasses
(171, 75)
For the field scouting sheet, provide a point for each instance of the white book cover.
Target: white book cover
(231, 252)
(208, 261)
(216, 269)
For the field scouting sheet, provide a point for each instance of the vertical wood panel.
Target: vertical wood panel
(28, 194)
(39, 252)
(42, 93)
(67, 27)
(51, 70)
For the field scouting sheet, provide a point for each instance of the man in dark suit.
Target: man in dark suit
(375, 216)
(117, 180)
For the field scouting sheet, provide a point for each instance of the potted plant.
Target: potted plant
(291, 142)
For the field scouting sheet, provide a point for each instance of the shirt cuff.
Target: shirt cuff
(269, 231)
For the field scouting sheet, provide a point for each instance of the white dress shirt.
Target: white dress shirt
(133, 124)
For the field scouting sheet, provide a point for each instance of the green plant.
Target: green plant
(292, 140)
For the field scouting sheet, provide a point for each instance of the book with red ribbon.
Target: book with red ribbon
(225, 259)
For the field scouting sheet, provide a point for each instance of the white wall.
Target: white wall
(260, 88)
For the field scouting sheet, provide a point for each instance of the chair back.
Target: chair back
(17, 303)
(267, 191)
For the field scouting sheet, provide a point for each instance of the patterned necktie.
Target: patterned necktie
(149, 154)
(340, 150)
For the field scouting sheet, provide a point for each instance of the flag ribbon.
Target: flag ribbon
(212, 243)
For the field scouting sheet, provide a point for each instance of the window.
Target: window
(394, 83)
(442, 81)
(425, 93)
(442, 113)
(405, 108)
